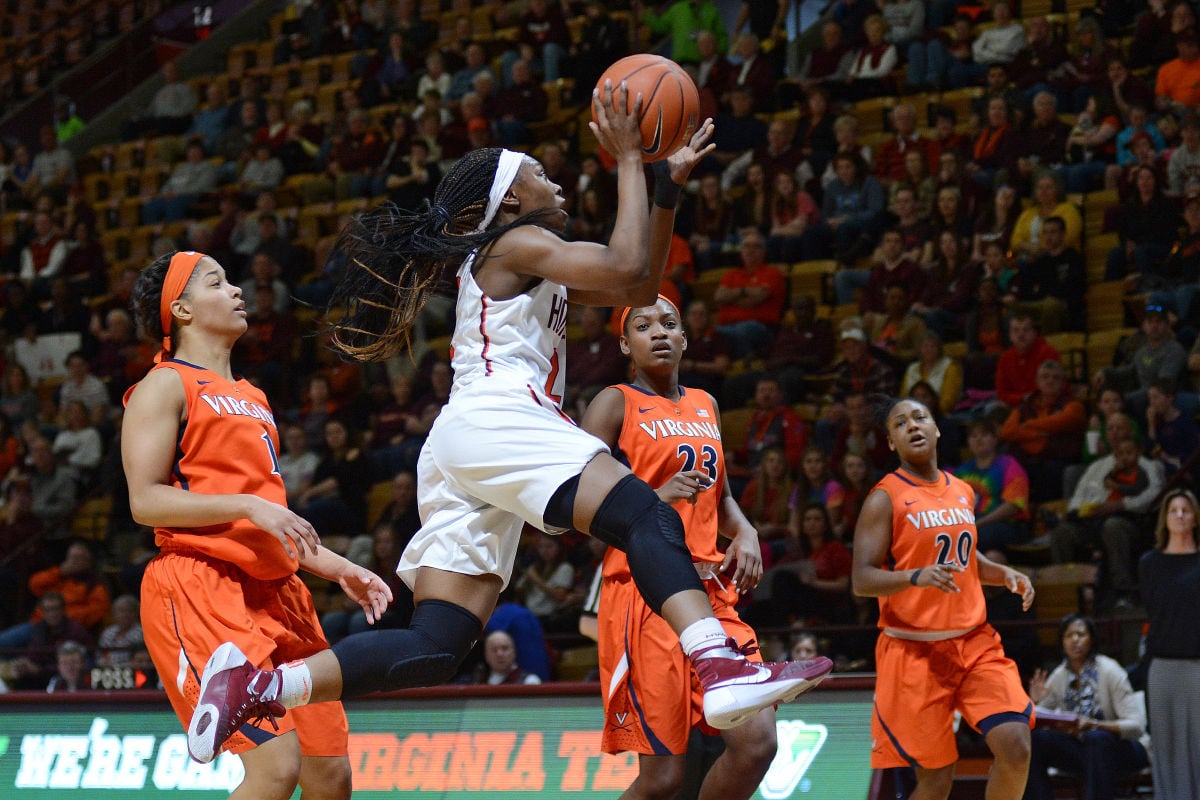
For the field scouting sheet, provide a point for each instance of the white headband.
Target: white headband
(506, 173)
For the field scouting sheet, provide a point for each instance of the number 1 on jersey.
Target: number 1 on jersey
(266, 437)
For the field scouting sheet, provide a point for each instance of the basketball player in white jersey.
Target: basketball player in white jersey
(502, 452)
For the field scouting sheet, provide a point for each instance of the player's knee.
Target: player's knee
(1010, 743)
(663, 782)
(272, 779)
(627, 507)
(752, 755)
(427, 653)
(325, 778)
(936, 782)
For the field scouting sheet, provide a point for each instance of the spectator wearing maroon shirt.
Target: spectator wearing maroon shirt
(889, 157)
(594, 360)
(714, 74)
(1016, 370)
(804, 345)
(1042, 53)
(829, 62)
(753, 71)
(777, 154)
(521, 103)
(890, 265)
(353, 159)
(1043, 140)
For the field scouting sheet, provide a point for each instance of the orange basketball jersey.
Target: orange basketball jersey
(660, 438)
(932, 523)
(227, 445)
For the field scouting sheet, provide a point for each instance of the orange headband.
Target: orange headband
(179, 272)
(625, 314)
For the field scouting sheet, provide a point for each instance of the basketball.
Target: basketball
(670, 101)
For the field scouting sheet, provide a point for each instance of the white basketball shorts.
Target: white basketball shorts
(494, 458)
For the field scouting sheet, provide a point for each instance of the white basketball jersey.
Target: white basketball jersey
(520, 339)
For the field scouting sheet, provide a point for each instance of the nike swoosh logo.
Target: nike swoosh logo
(656, 145)
(644, 410)
(909, 502)
(203, 383)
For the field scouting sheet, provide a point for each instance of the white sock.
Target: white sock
(296, 684)
(704, 634)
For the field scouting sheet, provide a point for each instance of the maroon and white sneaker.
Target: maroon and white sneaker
(232, 692)
(736, 689)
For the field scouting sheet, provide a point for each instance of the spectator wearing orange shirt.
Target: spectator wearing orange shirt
(1177, 87)
(1046, 432)
(773, 424)
(75, 581)
(750, 299)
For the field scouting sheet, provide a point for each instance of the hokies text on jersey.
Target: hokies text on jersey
(557, 321)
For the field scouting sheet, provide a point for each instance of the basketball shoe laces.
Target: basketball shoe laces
(260, 701)
(737, 669)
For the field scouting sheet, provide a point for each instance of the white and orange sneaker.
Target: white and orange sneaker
(735, 689)
(232, 692)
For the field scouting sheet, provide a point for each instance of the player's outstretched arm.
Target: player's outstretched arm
(148, 439)
(360, 584)
(873, 540)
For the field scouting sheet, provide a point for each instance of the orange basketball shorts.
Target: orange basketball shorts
(919, 686)
(192, 604)
(652, 698)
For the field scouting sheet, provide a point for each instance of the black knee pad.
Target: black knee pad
(426, 653)
(634, 520)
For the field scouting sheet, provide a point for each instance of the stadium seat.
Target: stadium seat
(813, 279)
(378, 496)
(1071, 345)
(1060, 592)
(576, 663)
(1102, 346)
(1105, 306)
(735, 425)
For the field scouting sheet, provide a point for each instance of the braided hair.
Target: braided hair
(394, 258)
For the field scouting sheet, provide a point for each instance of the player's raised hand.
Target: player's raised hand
(745, 552)
(938, 576)
(367, 589)
(681, 162)
(617, 119)
(684, 485)
(1019, 583)
(293, 531)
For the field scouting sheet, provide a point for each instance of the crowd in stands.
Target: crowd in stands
(991, 208)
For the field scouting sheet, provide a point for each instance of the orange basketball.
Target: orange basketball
(670, 101)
